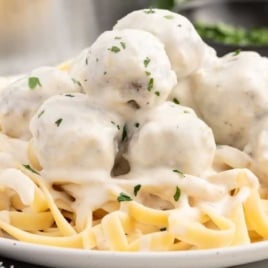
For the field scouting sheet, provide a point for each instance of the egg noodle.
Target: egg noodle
(148, 208)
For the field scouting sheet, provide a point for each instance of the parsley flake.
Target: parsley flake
(176, 101)
(123, 198)
(118, 38)
(114, 49)
(31, 169)
(137, 125)
(177, 194)
(58, 122)
(179, 172)
(148, 73)
(41, 113)
(33, 82)
(237, 52)
(147, 62)
(157, 93)
(77, 82)
(137, 189)
(86, 61)
(123, 44)
(69, 95)
(169, 17)
(104, 73)
(150, 84)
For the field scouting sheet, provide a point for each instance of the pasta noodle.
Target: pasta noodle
(132, 171)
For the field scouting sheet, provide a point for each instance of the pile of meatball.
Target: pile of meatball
(150, 93)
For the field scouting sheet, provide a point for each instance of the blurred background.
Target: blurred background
(46, 32)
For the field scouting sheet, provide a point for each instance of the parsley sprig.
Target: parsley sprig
(34, 82)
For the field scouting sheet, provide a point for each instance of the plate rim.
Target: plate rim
(254, 252)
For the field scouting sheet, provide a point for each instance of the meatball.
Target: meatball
(182, 93)
(231, 95)
(127, 68)
(20, 100)
(71, 132)
(183, 45)
(173, 136)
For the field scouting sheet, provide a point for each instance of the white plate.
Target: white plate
(74, 258)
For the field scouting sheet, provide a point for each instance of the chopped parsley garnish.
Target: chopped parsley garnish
(114, 49)
(58, 122)
(175, 100)
(179, 172)
(33, 82)
(123, 44)
(77, 82)
(104, 73)
(163, 229)
(124, 134)
(137, 125)
(150, 84)
(186, 112)
(123, 198)
(169, 17)
(147, 62)
(86, 61)
(237, 52)
(149, 11)
(177, 194)
(31, 169)
(157, 93)
(69, 95)
(41, 113)
(148, 73)
(118, 38)
(136, 189)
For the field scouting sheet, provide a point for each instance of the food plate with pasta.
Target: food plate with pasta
(144, 150)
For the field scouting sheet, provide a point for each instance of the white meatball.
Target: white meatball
(20, 100)
(231, 95)
(182, 93)
(257, 148)
(183, 45)
(125, 68)
(70, 132)
(172, 135)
